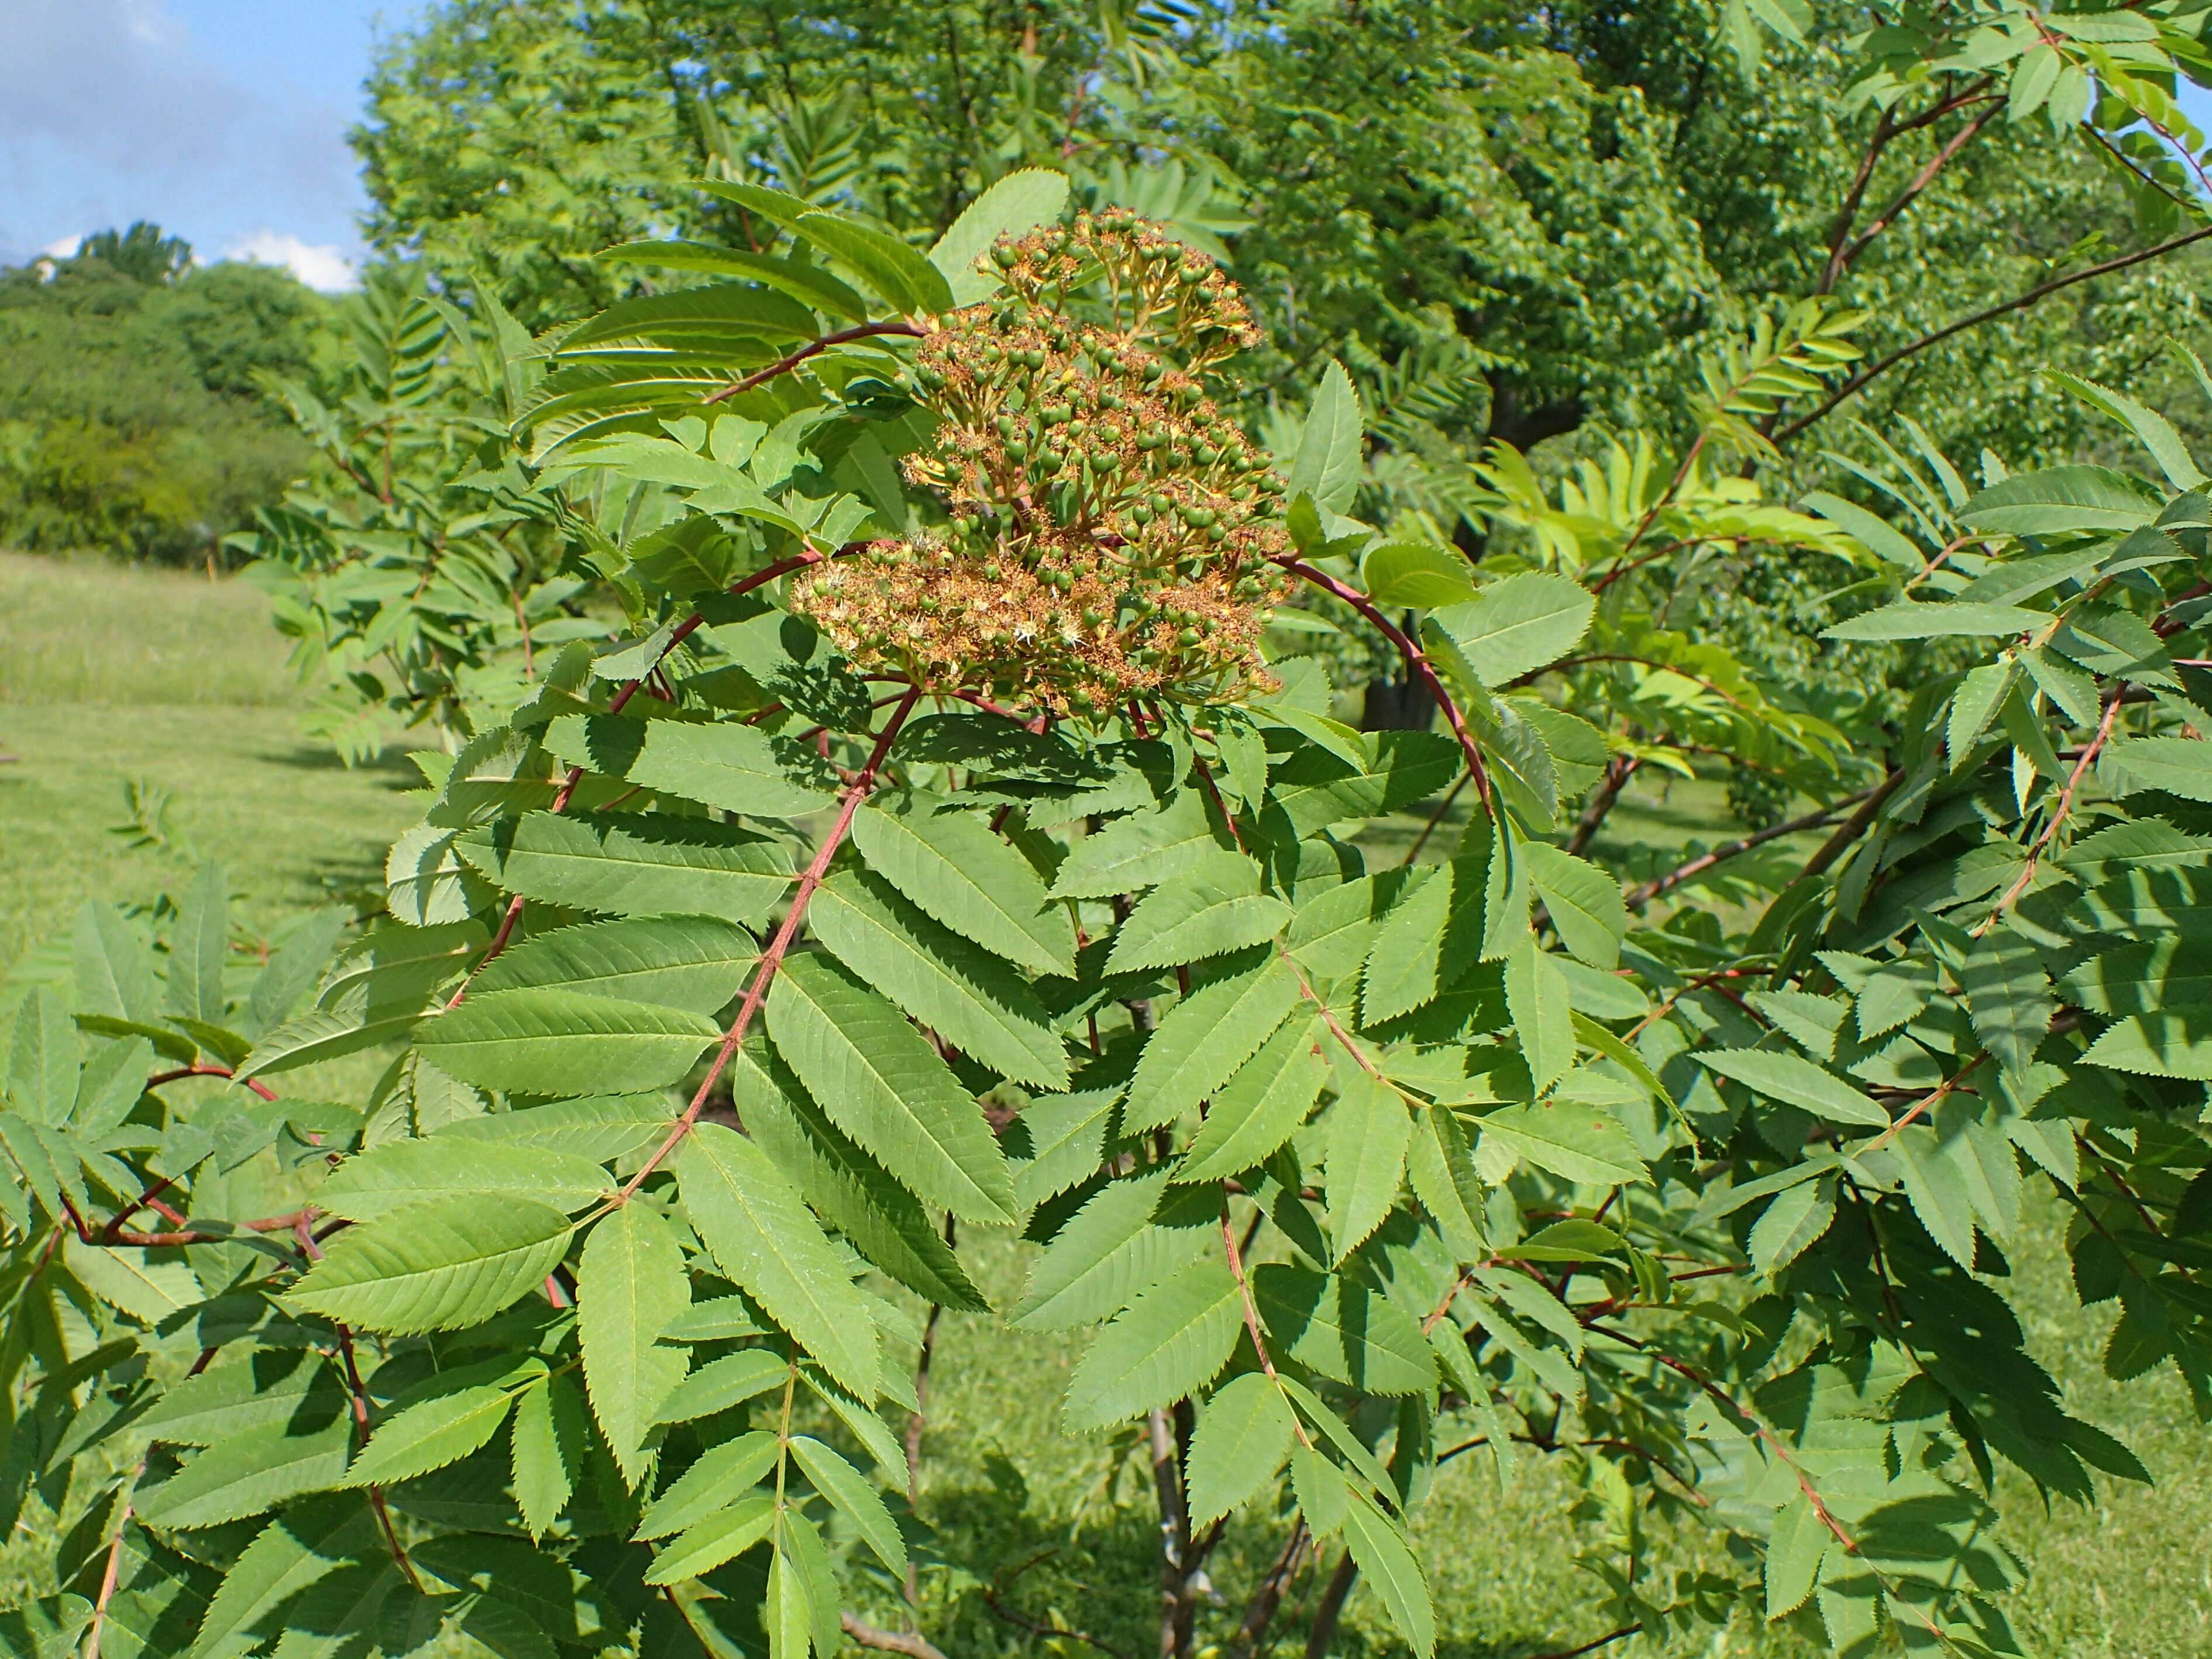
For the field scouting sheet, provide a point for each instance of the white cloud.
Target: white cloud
(319, 264)
(62, 247)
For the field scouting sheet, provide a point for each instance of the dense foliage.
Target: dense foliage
(956, 838)
(131, 415)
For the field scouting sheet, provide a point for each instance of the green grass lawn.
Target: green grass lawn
(109, 675)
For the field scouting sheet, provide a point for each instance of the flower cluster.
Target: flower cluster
(1112, 534)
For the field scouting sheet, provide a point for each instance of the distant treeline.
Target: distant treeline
(131, 417)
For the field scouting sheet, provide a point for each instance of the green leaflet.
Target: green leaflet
(1513, 627)
(143, 1287)
(848, 1490)
(1120, 1242)
(721, 1384)
(708, 1543)
(1368, 1131)
(1582, 1143)
(2057, 499)
(1014, 204)
(1542, 1005)
(624, 864)
(970, 998)
(1389, 1567)
(551, 1041)
(456, 1167)
(2007, 997)
(114, 969)
(1427, 944)
(1141, 850)
(2180, 766)
(696, 963)
(1211, 908)
(955, 870)
(430, 1436)
(719, 1478)
(547, 1451)
(597, 1128)
(1204, 1039)
(1338, 1327)
(760, 1234)
(728, 766)
(197, 948)
(857, 1195)
(1330, 935)
(1260, 1107)
(1414, 574)
(2176, 1043)
(1242, 1441)
(2144, 978)
(251, 1390)
(250, 1473)
(1797, 1081)
(1912, 619)
(435, 1266)
(630, 1288)
(1169, 1342)
(294, 1551)
(1584, 904)
(44, 1059)
(1327, 464)
(881, 1083)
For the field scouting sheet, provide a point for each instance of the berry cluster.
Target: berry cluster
(1112, 534)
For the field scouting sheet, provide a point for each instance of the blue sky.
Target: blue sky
(223, 120)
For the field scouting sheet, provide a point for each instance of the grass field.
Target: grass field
(109, 675)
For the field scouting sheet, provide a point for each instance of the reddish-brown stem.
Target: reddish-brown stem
(1853, 827)
(616, 704)
(2060, 809)
(1659, 885)
(1920, 181)
(112, 1571)
(252, 1082)
(360, 1398)
(772, 958)
(812, 347)
(1989, 313)
(1415, 659)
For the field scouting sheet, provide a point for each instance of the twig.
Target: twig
(1605, 1641)
(2061, 807)
(912, 1643)
(1853, 827)
(772, 958)
(1987, 314)
(1639, 897)
(114, 1564)
(784, 365)
(1415, 659)
(252, 1082)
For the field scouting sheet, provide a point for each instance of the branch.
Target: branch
(1618, 771)
(812, 347)
(912, 1643)
(1260, 1612)
(2064, 805)
(1988, 314)
(772, 958)
(252, 1082)
(1853, 827)
(114, 1564)
(616, 704)
(1697, 866)
(1415, 659)
(1921, 180)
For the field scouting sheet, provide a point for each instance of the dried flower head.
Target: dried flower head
(1112, 534)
